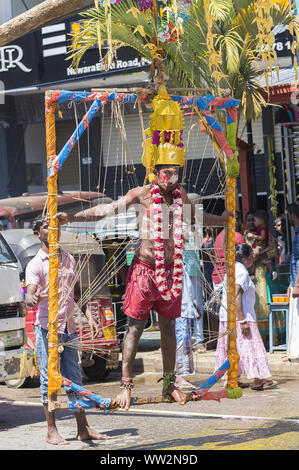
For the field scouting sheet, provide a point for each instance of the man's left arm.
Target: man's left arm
(86, 311)
(207, 219)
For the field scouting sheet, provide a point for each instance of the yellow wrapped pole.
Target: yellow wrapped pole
(232, 354)
(232, 168)
(54, 377)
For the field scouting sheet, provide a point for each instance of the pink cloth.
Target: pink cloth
(253, 357)
(37, 273)
(219, 250)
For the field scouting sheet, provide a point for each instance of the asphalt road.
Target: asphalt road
(265, 420)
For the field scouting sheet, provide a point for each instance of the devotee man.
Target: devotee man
(37, 277)
(155, 276)
(142, 294)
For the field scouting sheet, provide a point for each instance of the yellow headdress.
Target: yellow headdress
(164, 145)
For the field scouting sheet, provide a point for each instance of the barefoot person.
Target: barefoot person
(155, 276)
(37, 274)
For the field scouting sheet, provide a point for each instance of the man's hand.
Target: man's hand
(295, 293)
(94, 327)
(225, 216)
(62, 217)
(289, 290)
(35, 299)
(245, 328)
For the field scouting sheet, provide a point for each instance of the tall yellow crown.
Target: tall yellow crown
(164, 144)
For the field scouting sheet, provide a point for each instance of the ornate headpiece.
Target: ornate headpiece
(164, 145)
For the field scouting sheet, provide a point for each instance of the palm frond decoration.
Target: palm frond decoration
(234, 32)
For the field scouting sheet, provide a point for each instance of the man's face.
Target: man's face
(43, 233)
(167, 177)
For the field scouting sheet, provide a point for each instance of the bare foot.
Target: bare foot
(176, 394)
(123, 399)
(56, 439)
(90, 435)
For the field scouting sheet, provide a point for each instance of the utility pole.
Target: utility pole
(36, 17)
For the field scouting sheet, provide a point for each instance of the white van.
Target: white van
(15, 362)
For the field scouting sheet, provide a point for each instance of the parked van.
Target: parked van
(15, 361)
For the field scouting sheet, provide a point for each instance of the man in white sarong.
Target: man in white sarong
(293, 290)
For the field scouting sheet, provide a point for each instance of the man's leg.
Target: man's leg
(71, 369)
(168, 349)
(168, 343)
(53, 436)
(130, 347)
(41, 344)
(86, 433)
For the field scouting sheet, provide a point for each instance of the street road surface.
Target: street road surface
(267, 420)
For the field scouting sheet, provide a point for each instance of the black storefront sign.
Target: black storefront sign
(41, 58)
(283, 44)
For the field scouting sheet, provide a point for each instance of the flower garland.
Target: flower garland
(156, 213)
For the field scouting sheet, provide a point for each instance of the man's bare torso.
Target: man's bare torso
(145, 250)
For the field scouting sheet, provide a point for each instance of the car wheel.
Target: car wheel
(98, 371)
(29, 382)
(16, 383)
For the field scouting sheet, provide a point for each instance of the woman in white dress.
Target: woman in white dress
(253, 357)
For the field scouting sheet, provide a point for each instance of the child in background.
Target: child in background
(261, 238)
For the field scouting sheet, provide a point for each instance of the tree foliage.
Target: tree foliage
(218, 49)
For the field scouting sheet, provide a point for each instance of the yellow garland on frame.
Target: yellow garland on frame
(232, 354)
(230, 204)
(54, 376)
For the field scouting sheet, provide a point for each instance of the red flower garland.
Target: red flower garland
(156, 212)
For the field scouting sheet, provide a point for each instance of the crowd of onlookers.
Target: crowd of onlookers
(267, 264)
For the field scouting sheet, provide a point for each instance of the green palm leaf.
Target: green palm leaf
(187, 62)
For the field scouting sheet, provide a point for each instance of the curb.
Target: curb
(149, 359)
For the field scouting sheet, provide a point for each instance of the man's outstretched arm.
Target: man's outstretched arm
(101, 211)
(207, 219)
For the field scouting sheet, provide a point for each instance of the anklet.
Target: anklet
(126, 383)
(168, 379)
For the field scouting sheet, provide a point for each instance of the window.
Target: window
(6, 255)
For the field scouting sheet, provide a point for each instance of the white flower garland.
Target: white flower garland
(156, 213)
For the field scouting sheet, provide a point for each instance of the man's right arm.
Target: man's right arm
(101, 211)
(31, 296)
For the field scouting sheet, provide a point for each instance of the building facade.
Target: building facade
(107, 158)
